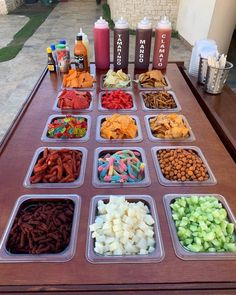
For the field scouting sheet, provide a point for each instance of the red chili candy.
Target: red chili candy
(117, 99)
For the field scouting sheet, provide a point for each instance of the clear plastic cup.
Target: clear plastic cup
(156, 256)
(66, 255)
(102, 118)
(181, 251)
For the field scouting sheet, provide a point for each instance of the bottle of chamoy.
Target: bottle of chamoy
(162, 44)
(101, 44)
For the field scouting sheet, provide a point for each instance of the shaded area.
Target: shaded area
(232, 58)
(37, 14)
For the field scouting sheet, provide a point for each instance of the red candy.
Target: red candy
(71, 99)
(117, 99)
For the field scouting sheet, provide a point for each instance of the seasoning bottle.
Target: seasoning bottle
(162, 44)
(51, 61)
(62, 58)
(63, 41)
(85, 42)
(143, 44)
(121, 44)
(53, 47)
(101, 44)
(80, 55)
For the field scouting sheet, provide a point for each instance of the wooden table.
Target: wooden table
(172, 275)
(220, 110)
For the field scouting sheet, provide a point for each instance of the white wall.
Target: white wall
(194, 19)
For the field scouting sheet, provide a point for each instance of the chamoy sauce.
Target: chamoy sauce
(101, 44)
(143, 44)
(121, 44)
(162, 44)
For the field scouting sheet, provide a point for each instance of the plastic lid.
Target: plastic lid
(79, 37)
(164, 23)
(101, 23)
(84, 36)
(62, 41)
(49, 50)
(61, 46)
(145, 24)
(121, 23)
(53, 47)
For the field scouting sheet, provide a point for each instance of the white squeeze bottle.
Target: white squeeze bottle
(85, 42)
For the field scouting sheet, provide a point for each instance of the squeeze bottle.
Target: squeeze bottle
(53, 47)
(85, 42)
(143, 44)
(121, 44)
(101, 44)
(162, 43)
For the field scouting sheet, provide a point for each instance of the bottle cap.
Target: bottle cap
(61, 46)
(164, 23)
(145, 24)
(101, 23)
(53, 47)
(49, 50)
(121, 23)
(62, 41)
(79, 37)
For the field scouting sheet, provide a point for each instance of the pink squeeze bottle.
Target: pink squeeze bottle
(101, 44)
(162, 44)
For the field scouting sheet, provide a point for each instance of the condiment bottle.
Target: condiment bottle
(162, 44)
(51, 61)
(121, 44)
(101, 44)
(63, 41)
(143, 44)
(80, 55)
(85, 42)
(53, 47)
(62, 58)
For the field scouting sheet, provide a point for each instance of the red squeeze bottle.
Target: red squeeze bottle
(162, 44)
(101, 44)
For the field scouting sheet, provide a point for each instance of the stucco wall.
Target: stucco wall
(135, 10)
(194, 19)
(9, 5)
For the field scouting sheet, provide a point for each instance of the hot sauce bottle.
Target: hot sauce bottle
(162, 44)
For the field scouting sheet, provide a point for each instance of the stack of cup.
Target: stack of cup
(209, 47)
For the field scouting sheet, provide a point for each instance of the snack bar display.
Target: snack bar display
(122, 185)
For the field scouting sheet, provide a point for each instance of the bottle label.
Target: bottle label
(51, 68)
(119, 44)
(79, 61)
(141, 50)
(161, 50)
